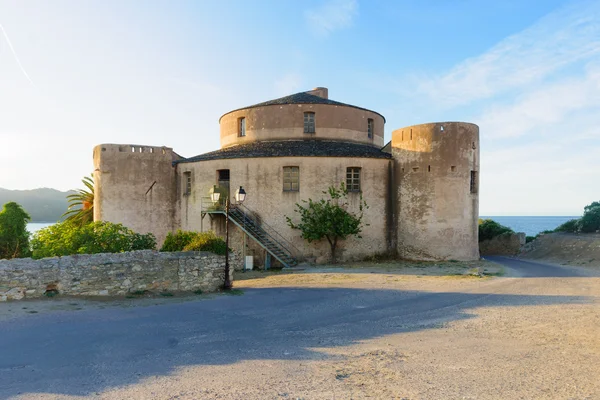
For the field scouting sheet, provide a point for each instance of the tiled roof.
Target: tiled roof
(301, 98)
(292, 148)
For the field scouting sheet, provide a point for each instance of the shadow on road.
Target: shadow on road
(93, 351)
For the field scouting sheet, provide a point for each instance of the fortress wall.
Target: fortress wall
(436, 212)
(135, 185)
(262, 178)
(284, 122)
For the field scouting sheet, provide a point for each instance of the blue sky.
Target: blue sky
(74, 74)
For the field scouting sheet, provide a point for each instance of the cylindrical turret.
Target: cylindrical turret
(437, 198)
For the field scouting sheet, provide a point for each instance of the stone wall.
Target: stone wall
(113, 274)
(503, 245)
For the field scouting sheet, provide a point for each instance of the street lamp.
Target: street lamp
(240, 196)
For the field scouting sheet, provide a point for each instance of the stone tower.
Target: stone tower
(136, 186)
(437, 190)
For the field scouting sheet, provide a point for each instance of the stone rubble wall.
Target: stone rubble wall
(508, 244)
(113, 274)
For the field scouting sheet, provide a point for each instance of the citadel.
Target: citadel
(421, 188)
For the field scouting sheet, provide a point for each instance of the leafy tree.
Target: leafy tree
(590, 222)
(489, 229)
(70, 237)
(329, 218)
(81, 203)
(14, 237)
(571, 226)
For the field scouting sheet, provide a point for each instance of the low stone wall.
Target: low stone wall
(112, 274)
(503, 245)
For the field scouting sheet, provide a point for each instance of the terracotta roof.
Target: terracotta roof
(292, 148)
(301, 98)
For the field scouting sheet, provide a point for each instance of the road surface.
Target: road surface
(412, 339)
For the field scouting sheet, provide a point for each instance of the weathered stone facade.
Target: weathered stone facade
(113, 274)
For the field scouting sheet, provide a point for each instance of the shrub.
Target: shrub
(14, 238)
(68, 238)
(178, 240)
(489, 229)
(529, 239)
(571, 226)
(194, 241)
(590, 222)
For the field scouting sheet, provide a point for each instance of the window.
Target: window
(370, 128)
(473, 181)
(242, 127)
(309, 122)
(188, 182)
(291, 179)
(353, 179)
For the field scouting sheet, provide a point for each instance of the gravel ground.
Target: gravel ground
(348, 333)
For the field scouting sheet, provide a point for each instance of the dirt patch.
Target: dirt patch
(565, 249)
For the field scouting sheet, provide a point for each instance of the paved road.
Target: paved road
(532, 269)
(91, 351)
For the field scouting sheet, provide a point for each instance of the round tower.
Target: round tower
(437, 191)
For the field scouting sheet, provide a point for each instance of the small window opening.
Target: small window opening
(402, 169)
(132, 149)
(242, 127)
(309, 122)
(453, 168)
(151, 149)
(473, 181)
(411, 134)
(370, 128)
(416, 169)
(291, 179)
(141, 149)
(353, 179)
(429, 168)
(188, 182)
(473, 146)
(442, 128)
(164, 151)
(402, 135)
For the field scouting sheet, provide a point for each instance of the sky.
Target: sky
(74, 74)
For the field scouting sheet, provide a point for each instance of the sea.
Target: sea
(530, 225)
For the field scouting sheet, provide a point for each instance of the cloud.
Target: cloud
(331, 16)
(560, 39)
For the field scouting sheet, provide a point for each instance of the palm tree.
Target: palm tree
(81, 204)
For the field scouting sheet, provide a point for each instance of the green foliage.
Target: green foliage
(178, 240)
(571, 226)
(69, 237)
(81, 203)
(590, 222)
(14, 237)
(194, 241)
(489, 229)
(329, 218)
(529, 239)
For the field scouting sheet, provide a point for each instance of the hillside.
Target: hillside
(44, 205)
(565, 248)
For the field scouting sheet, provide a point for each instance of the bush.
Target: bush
(14, 238)
(590, 222)
(194, 241)
(68, 238)
(178, 240)
(529, 239)
(571, 226)
(489, 229)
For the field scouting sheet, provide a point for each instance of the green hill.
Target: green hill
(44, 205)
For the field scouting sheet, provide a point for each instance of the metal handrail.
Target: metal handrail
(270, 231)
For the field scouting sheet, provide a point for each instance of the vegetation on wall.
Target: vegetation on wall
(14, 237)
(329, 218)
(194, 241)
(81, 203)
(70, 237)
(489, 229)
(588, 223)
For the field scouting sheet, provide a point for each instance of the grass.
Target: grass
(234, 292)
(166, 294)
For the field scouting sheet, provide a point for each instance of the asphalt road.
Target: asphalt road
(91, 351)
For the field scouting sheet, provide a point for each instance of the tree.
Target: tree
(489, 229)
(81, 204)
(590, 222)
(329, 218)
(14, 238)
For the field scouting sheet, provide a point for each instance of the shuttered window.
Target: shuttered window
(353, 179)
(291, 179)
